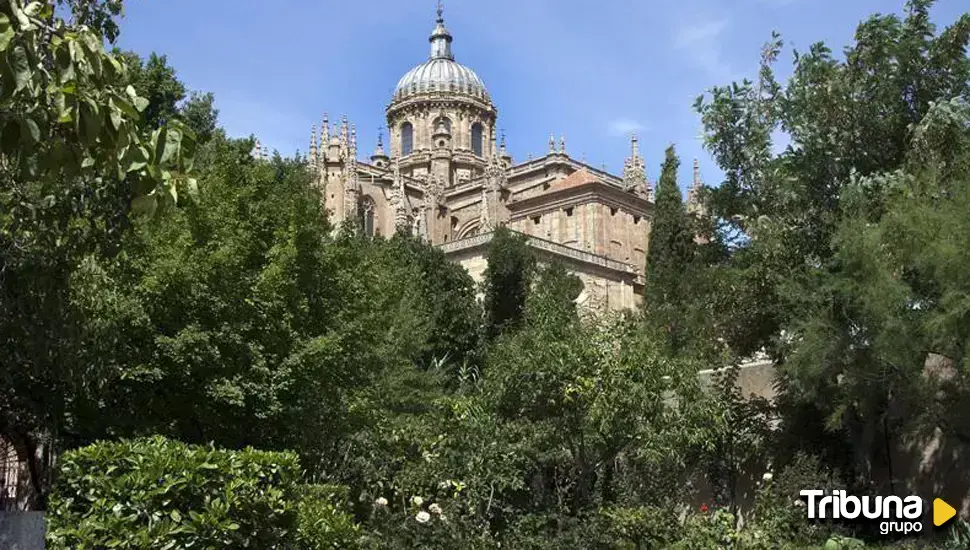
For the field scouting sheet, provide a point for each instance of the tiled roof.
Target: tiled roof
(576, 179)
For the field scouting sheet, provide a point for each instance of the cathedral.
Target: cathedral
(445, 176)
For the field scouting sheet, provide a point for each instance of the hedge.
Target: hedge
(162, 494)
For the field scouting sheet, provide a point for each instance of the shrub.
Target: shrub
(639, 527)
(323, 520)
(779, 509)
(140, 493)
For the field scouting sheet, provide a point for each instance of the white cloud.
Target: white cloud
(699, 34)
(701, 43)
(624, 127)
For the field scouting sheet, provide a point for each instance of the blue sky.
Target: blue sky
(591, 71)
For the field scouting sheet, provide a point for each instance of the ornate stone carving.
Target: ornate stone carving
(635, 171)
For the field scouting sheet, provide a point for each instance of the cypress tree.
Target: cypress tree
(669, 255)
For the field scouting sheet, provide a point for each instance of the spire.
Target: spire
(440, 38)
(344, 131)
(484, 222)
(694, 205)
(562, 144)
(313, 145)
(325, 131)
(635, 170)
(353, 140)
(552, 143)
(257, 150)
(504, 152)
(379, 154)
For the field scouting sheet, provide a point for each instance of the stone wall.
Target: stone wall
(21, 530)
(933, 465)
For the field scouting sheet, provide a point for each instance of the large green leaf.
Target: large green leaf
(90, 122)
(64, 63)
(6, 32)
(19, 67)
(29, 131)
(170, 147)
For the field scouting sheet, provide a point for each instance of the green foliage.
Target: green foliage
(199, 113)
(780, 510)
(100, 15)
(552, 301)
(447, 299)
(714, 530)
(892, 310)
(243, 325)
(323, 522)
(507, 280)
(156, 81)
(842, 117)
(68, 114)
(139, 493)
(823, 273)
(142, 493)
(738, 437)
(591, 407)
(74, 158)
(168, 99)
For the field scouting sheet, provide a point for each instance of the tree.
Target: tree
(157, 82)
(447, 298)
(168, 98)
(848, 119)
(883, 354)
(99, 15)
(552, 301)
(73, 159)
(507, 280)
(669, 257)
(842, 117)
(199, 113)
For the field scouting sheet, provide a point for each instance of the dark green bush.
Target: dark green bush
(156, 493)
(323, 521)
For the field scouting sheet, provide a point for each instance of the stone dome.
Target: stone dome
(440, 73)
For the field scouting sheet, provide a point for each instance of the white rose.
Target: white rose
(381, 501)
(767, 476)
(444, 518)
(422, 517)
(417, 501)
(434, 508)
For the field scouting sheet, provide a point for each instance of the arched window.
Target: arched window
(366, 213)
(407, 138)
(477, 139)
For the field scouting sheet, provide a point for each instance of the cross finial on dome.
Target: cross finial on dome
(441, 10)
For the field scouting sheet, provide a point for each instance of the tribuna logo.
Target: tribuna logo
(898, 514)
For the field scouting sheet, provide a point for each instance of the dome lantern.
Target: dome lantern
(440, 38)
